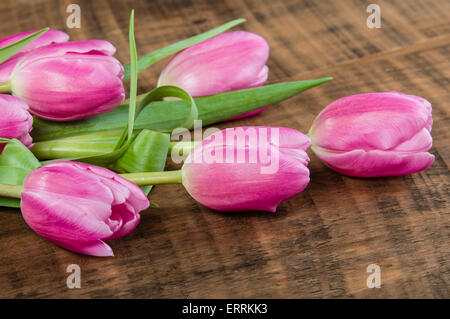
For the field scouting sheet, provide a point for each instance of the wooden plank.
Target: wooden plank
(319, 243)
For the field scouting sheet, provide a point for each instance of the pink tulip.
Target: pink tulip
(15, 121)
(227, 62)
(68, 81)
(79, 206)
(247, 168)
(374, 134)
(49, 37)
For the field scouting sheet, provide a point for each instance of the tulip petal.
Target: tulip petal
(49, 37)
(129, 220)
(96, 248)
(241, 187)
(135, 196)
(370, 121)
(290, 138)
(65, 218)
(66, 179)
(227, 62)
(15, 120)
(77, 206)
(421, 142)
(70, 87)
(270, 170)
(93, 47)
(374, 163)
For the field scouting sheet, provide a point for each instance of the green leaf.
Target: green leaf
(147, 153)
(152, 57)
(167, 115)
(13, 175)
(173, 91)
(134, 79)
(11, 49)
(16, 162)
(17, 155)
(153, 204)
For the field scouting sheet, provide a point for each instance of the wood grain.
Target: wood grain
(319, 243)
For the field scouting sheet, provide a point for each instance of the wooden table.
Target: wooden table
(319, 243)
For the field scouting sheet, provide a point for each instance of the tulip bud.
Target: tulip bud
(374, 134)
(15, 121)
(49, 37)
(68, 81)
(247, 168)
(227, 62)
(78, 206)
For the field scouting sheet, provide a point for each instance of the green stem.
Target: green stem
(8, 190)
(154, 178)
(91, 145)
(5, 87)
(77, 146)
(141, 179)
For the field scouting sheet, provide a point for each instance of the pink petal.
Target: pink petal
(63, 218)
(93, 47)
(227, 62)
(77, 205)
(370, 121)
(69, 87)
(15, 120)
(129, 219)
(67, 179)
(240, 185)
(93, 248)
(421, 142)
(49, 37)
(375, 163)
(135, 196)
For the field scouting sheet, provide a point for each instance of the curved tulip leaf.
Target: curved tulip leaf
(152, 57)
(156, 94)
(173, 91)
(147, 153)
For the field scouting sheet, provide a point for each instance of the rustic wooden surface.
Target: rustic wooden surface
(319, 243)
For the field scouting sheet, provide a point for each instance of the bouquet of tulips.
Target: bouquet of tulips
(79, 159)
